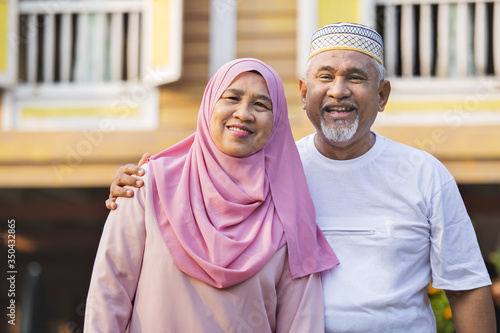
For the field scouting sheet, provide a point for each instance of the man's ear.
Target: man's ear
(384, 90)
(303, 92)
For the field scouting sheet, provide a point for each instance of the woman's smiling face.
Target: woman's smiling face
(242, 119)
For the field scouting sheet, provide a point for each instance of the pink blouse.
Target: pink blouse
(136, 284)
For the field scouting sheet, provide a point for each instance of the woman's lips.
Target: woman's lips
(239, 130)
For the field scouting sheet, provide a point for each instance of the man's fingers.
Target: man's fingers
(144, 159)
(126, 175)
(119, 191)
(111, 204)
(130, 169)
(124, 179)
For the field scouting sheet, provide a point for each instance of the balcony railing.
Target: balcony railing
(80, 42)
(440, 38)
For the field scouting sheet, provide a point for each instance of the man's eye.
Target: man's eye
(262, 105)
(356, 78)
(325, 77)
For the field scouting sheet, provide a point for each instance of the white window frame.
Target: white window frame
(223, 33)
(128, 105)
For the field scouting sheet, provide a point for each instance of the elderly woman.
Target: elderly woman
(222, 236)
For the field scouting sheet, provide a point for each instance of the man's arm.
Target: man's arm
(126, 175)
(472, 310)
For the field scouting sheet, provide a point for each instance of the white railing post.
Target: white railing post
(116, 46)
(82, 48)
(65, 48)
(407, 42)
(443, 35)
(133, 47)
(32, 48)
(480, 34)
(425, 42)
(98, 33)
(48, 48)
(390, 39)
(496, 37)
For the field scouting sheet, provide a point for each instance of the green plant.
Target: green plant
(442, 310)
(494, 258)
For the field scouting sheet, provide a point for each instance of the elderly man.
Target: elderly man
(392, 213)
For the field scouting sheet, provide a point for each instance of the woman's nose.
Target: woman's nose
(243, 112)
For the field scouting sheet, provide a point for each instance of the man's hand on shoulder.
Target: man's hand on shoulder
(126, 175)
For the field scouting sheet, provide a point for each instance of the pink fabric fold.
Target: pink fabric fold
(222, 217)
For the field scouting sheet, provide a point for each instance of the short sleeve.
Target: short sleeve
(456, 260)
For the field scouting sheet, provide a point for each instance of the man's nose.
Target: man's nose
(339, 89)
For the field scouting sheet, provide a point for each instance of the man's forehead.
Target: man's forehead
(341, 58)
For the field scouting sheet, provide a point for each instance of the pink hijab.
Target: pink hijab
(222, 217)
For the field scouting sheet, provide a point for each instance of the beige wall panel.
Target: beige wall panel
(83, 147)
(196, 30)
(183, 96)
(474, 172)
(196, 50)
(449, 143)
(293, 92)
(267, 26)
(193, 72)
(43, 175)
(267, 6)
(268, 47)
(196, 8)
(266, 31)
(284, 67)
(1, 104)
(180, 105)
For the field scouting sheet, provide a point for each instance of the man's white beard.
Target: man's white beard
(340, 130)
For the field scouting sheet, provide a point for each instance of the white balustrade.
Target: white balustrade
(456, 38)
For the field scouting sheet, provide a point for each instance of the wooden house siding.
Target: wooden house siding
(267, 30)
(90, 158)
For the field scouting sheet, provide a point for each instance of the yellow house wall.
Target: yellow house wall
(266, 30)
(4, 22)
(332, 11)
(90, 159)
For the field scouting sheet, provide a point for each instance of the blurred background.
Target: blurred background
(88, 86)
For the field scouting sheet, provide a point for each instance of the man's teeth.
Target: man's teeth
(339, 109)
(237, 129)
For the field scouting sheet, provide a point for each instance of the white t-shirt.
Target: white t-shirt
(396, 220)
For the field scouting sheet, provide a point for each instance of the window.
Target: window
(79, 63)
(441, 39)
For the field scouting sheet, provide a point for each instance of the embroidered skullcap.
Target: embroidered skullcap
(348, 36)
